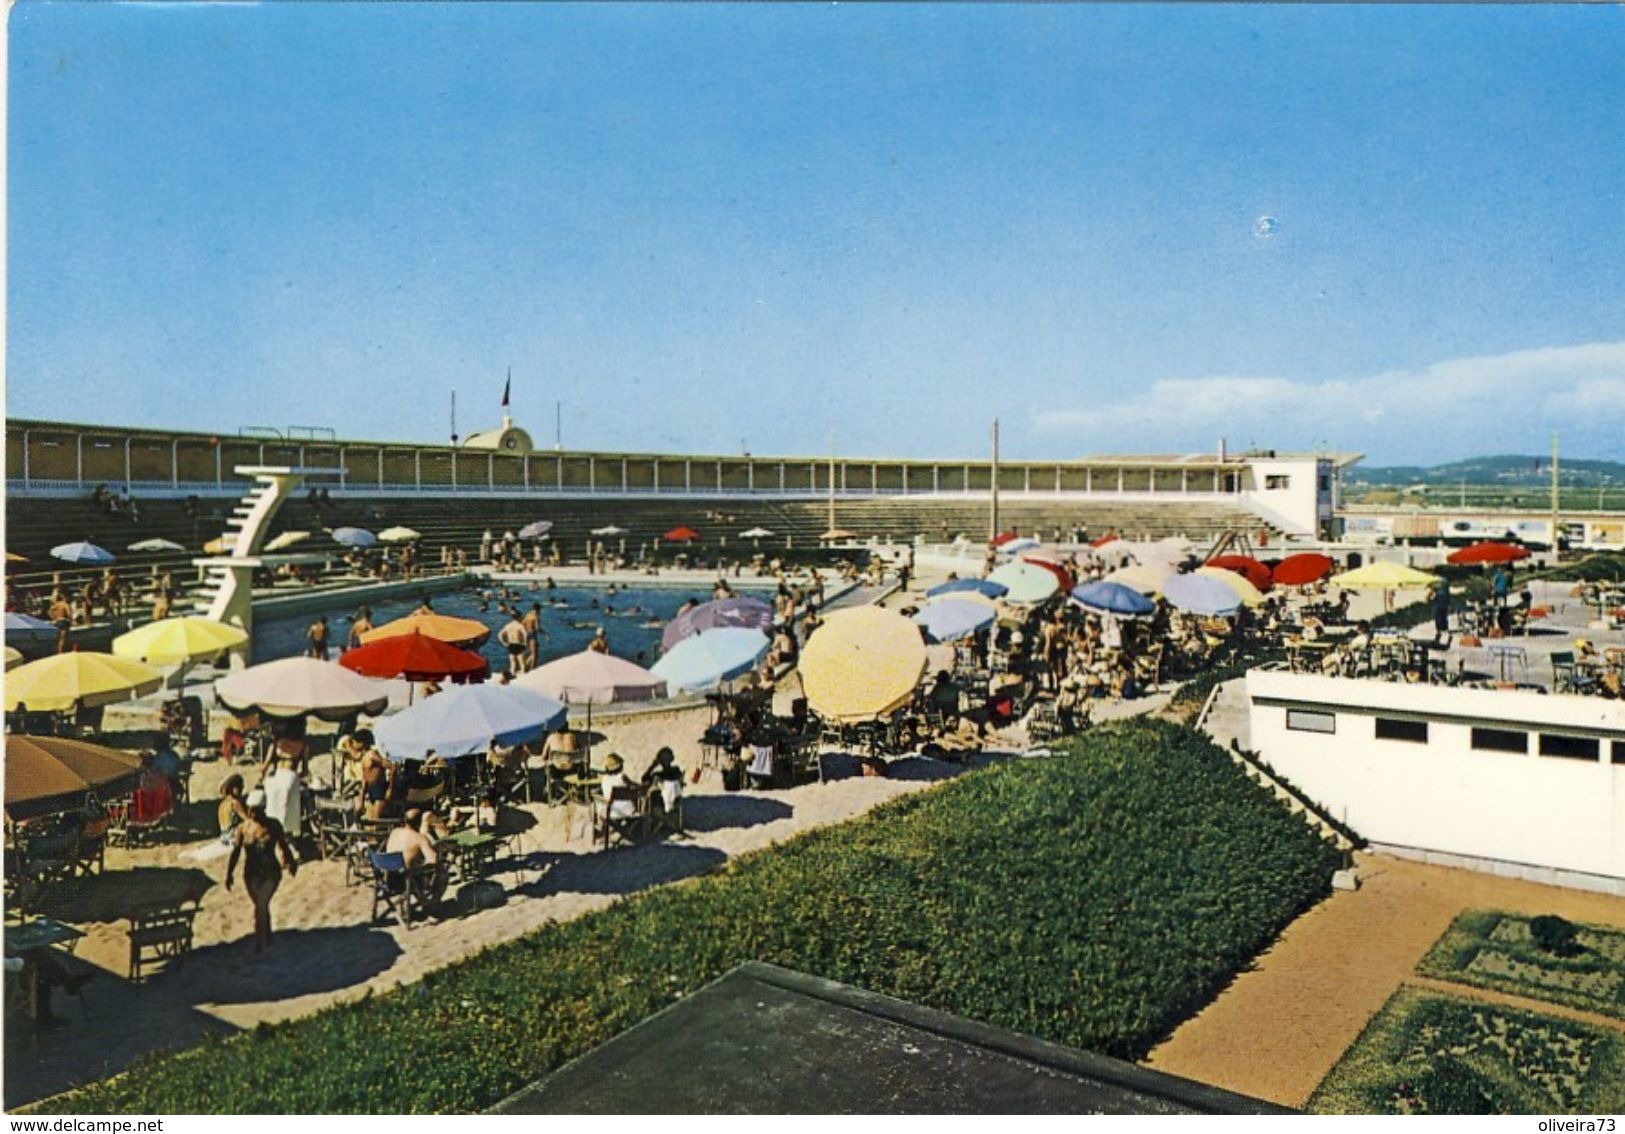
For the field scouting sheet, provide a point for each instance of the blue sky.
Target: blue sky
(708, 227)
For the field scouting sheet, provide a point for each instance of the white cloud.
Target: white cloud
(1498, 403)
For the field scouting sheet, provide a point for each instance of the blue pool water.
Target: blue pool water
(570, 626)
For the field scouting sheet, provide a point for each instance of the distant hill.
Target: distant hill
(1529, 472)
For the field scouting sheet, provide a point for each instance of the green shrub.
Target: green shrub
(1097, 898)
(1553, 934)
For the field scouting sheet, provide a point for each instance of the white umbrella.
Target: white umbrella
(755, 533)
(398, 535)
(591, 678)
(609, 530)
(292, 687)
(156, 545)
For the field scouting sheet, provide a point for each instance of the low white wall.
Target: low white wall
(1445, 796)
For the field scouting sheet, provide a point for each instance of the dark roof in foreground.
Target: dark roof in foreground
(766, 1040)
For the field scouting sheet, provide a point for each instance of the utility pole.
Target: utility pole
(993, 484)
(831, 483)
(1554, 492)
(558, 425)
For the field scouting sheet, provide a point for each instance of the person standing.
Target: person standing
(1440, 602)
(284, 795)
(317, 637)
(259, 840)
(534, 632)
(514, 638)
(360, 625)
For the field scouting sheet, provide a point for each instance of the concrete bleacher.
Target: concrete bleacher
(35, 525)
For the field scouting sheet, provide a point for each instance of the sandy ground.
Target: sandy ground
(1280, 1028)
(327, 950)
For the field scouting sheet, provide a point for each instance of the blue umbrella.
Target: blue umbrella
(84, 552)
(710, 658)
(27, 625)
(1017, 546)
(980, 586)
(1113, 598)
(1200, 594)
(949, 618)
(720, 614)
(354, 537)
(465, 719)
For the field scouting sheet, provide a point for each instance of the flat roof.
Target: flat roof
(767, 1040)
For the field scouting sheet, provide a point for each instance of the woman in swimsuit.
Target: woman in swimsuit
(258, 841)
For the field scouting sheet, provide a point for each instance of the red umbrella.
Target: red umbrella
(1488, 552)
(1247, 567)
(1103, 540)
(1003, 538)
(1305, 567)
(415, 657)
(1062, 575)
(681, 535)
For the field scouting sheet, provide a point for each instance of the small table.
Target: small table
(1504, 655)
(40, 933)
(472, 851)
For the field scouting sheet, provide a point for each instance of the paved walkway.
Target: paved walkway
(1280, 1028)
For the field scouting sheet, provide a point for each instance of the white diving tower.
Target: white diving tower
(229, 579)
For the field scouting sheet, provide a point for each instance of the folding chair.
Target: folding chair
(628, 823)
(396, 887)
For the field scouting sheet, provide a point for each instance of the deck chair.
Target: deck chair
(396, 888)
(1562, 671)
(161, 931)
(663, 818)
(89, 850)
(627, 823)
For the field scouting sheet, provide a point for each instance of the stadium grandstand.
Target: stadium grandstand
(184, 487)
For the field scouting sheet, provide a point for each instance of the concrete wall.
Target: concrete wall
(1446, 796)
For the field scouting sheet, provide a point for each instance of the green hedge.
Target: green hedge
(1427, 1053)
(1097, 898)
(1495, 950)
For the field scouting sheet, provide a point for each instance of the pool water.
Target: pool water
(570, 616)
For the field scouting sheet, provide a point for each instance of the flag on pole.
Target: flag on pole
(507, 387)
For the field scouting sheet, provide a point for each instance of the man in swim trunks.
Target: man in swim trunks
(258, 840)
(376, 776)
(317, 637)
(514, 638)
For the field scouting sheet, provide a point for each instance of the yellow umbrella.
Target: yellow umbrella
(862, 663)
(63, 681)
(287, 539)
(457, 631)
(14, 656)
(1383, 577)
(1245, 591)
(13, 557)
(175, 641)
(838, 533)
(221, 545)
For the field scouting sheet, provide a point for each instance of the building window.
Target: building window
(1277, 482)
(1572, 747)
(1501, 740)
(1325, 482)
(1619, 751)
(1388, 728)
(1301, 720)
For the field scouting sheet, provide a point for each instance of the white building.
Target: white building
(1512, 782)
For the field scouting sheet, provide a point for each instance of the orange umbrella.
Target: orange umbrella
(681, 535)
(457, 631)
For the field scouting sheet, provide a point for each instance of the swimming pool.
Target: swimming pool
(632, 619)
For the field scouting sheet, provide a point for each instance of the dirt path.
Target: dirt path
(1278, 1029)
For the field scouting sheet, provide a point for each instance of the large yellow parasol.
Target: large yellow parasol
(176, 641)
(64, 681)
(14, 657)
(458, 631)
(1245, 591)
(1383, 577)
(862, 663)
(1147, 578)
